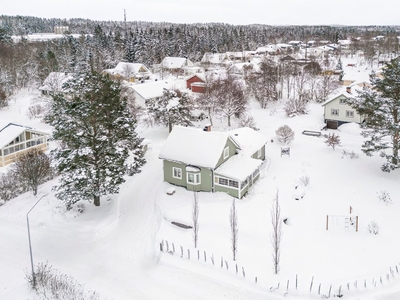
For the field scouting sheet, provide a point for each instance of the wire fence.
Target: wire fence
(311, 286)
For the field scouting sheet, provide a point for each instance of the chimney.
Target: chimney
(348, 89)
(207, 127)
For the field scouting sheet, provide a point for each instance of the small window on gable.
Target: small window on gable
(226, 152)
(342, 101)
(177, 173)
(259, 153)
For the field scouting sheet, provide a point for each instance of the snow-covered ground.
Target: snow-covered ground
(114, 249)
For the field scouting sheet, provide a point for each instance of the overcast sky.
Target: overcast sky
(271, 12)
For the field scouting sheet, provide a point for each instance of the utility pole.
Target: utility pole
(29, 239)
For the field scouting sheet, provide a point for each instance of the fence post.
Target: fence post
(312, 280)
(173, 247)
(329, 294)
(226, 264)
(205, 256)
(255, 279)
(319, 289)
(222, 261)
(166, 242)
(212, 258)
(181, 251)
(188, 253)
(296, 281)
(236, 269)
(287, 285)
(244, 273)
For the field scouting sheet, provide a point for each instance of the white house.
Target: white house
(53, 83)
(129, 71)
(338, 112)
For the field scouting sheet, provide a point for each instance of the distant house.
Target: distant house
(196, 83)
(54, 82)
(149, 91)
(213, 161)
(176, 65)
(16, 139)
(215, 59)
(129, 71)
(338, 112)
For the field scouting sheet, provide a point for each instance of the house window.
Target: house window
(226, 152)
(177, 173)
(233, 183)
(193, 178)
(342, 101)
(334, 112)
(256, 172)
(223, 181)
(259, 153)
(350, 113)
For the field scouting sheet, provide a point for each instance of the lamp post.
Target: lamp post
(29, 238)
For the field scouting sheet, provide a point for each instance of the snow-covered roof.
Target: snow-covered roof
(344, 93)
(215, 58)
(55, 81)
(176, 62)
(150, 90)
(238, 167)
(8, 132)
(133, 69)
(248, 139)
(201, 76)
(194, 146)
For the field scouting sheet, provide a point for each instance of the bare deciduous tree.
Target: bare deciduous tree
(332, 140)
(285, 134)
(233, 220)
(276, 235)
(33, 167)
(195, 218)
(294, 107)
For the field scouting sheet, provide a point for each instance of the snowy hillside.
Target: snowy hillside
(114, 249)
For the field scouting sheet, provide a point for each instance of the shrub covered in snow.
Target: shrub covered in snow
(384, 196)
(285, 134)
(373, 227)
(350, 154)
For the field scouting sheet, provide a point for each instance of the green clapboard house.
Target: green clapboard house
(213, 161)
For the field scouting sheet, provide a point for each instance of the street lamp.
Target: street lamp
(29, 238)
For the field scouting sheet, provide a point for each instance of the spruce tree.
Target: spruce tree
(97, 135)
(380, 107)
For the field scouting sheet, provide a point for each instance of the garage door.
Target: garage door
(332, 124)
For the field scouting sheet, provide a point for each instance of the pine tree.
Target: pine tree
(380, 107)
(173, 108)
(97, 135)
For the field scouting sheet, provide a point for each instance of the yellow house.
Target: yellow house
(16, 139)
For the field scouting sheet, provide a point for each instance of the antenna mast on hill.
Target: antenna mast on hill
(125, 18)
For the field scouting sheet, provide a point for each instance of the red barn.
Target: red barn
(198, 87)
(193, 79)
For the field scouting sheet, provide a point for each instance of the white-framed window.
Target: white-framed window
(234, 183)
(193, 178)
(223, 181)
(226, 152)
(177, 173)
(342, 101)
(334, 112)
(350, 113)
(256, 172)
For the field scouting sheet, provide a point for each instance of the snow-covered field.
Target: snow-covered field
(114, 249)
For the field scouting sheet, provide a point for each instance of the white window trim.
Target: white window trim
(349, 113)
(179, 172)
(342, 101)
(194, 174)
(227, 186)
(226, 152)
(334, 110)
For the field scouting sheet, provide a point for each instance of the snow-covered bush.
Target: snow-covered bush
(373, 227)
(247, 121)
(285, 134)
(51, 284)
(294, 107)
(11, 186)
(350, 154)
(385, 197)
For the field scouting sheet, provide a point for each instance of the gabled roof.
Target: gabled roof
(123, 68)
(150, 90)
(194, 146)
(9, 131)
(201, 76)
(248, 139)
(176, 62)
